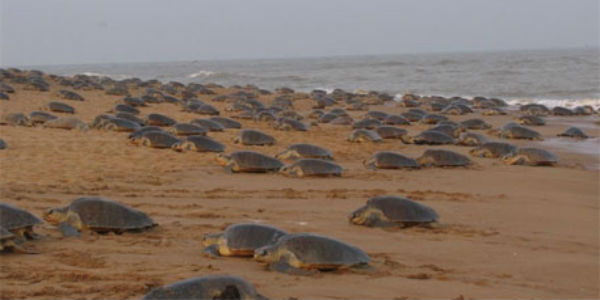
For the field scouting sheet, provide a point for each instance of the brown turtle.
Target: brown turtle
(296, 253)
(66, 123)
(15, 119)
(158, 139)
(494, 150)
(198, 143)
(248, 161)
(531, 157)
(97, 214)
(254, 137)
(391, 132)
(18, 221)
(364, 135)
(311, 167)
(393, 211)
(471, 139)
(207, 287)
(159, 120)
(241, 239)
(390, 160)
(296, 151)
(60, 107)
(442, 158)
(574, 132)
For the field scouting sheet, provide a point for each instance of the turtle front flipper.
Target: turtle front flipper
(68, 230)
(283, 267)
(212, 251)
(11, 246)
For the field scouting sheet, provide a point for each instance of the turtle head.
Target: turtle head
(58, 215)
(211, 239)
(222, 159)
(285, 154)
(237, 140)
(286, 170)
(407, 139)
(265, 254)
(179, 146)
(359, 216)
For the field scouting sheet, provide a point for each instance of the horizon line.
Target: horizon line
(590, 47)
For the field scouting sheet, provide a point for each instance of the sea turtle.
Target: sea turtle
(18, 221)
(198, 143)
(315, 114)
(66, 123)
(584, 110)
(493, 111)
(296, 151)
(562, 111)
(367, 124)
(69, 95)
(412, 116)
(295, 253)
(432, 119)
(378, 115)
(227, 122)
(208, 124)
(127, 108)
(135, 102)
(15, 119)
(364, 135)
(206, 287)
(395, 120)
(185, 129)
(241, 239)
(2, 144)
(131, 117)
(429, 137)
(531, 157)
(135, 136)
(158, 139)
(391, 211)
(289, 124)
(290, 114)
(4, 96)
(265, 116)
(254, 137)
(456, 109)
(159, 120)
(534, 109)
(120, 125)
(531, 120)
(248, 161)
(518, 132)
(390, 160)
(449, 129)
(471, 139)
(442, 158)
(8, 242)
(493, 150)
(574, 132)
(390, 132)
(202, 109)
(97, 214)
(475, 124)
(342, 120)
(60, 107)
(312, 167)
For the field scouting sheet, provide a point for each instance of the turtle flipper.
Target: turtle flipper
(19, 249)
(211, 251)
(68, 230)
(284, 267)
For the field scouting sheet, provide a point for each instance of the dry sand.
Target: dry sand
(512, 231)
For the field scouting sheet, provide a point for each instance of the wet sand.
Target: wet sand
(510, 231)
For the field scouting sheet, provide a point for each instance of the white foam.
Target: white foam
(113, 76)
(201, 73)
(570, 103)
(587, 146)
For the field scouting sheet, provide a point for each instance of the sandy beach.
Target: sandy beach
(509, 231)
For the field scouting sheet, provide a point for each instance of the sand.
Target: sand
(510, 231)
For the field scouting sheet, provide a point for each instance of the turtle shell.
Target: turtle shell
(472, 139)
(520, 132)
(66, 123)
(290, 124)
(534, 157)
(207, 287)
(392, 160)
(365, 134)
(2, 144)
(204, 144)
(159, 139)
(403, 210)
(226, 122)
(494, 150)
(14, 218)
(5, 234)
(442, 158)
(159, 120)
(367, 124)
(433, 137)
(185, 129)
(37, 117)
(395, 120)
(255, 137)
(16, 119)
(251, 161)
(390, 132)
(310, 151)
(574, 132)
(60, 107)
(100, 213)
(531, 120)
(319, 251)
(315, 167)
(475, 124)
(208, 124)
(249, 236)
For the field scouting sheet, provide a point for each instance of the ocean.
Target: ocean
(552, 77)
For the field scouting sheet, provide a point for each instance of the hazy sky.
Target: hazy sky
(100, 31)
